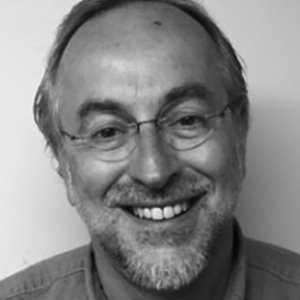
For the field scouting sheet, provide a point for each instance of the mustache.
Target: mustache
(179, 187)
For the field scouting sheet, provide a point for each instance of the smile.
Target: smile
(161, 213)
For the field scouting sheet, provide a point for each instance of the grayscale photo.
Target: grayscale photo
(150, 150)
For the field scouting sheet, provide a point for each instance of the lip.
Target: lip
(180, 220)
(169, 202)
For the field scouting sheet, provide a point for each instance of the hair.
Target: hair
(45, 101)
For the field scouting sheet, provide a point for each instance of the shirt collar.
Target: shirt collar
(237, 280)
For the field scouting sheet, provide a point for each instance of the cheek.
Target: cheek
(217, 158)
(93, 178)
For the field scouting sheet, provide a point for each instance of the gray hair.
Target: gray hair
(231, 67)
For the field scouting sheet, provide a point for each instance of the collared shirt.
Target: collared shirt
(259, 271)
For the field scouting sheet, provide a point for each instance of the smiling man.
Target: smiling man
(145, 107)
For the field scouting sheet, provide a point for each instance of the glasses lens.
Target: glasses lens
(186, 129)
(111, 138)
(182, 144)
(117, 154)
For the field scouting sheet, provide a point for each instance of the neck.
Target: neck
(210, 284)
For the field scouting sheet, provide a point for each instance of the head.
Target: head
(156, 211)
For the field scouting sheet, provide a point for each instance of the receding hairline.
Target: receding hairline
(170, 17)
(104, 30)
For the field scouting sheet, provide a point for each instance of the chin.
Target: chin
(163, 269)
(164, 266)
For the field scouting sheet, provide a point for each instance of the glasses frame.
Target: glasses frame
(158, 122)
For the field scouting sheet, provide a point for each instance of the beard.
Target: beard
(159, 259)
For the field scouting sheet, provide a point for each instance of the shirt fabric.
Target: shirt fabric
(259, 271)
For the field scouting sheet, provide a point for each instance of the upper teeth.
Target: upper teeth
(160, 213)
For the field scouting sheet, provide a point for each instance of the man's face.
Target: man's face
(156, 213)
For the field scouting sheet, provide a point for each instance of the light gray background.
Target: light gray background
(36, 220)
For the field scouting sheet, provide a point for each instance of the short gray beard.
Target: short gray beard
(170, 272)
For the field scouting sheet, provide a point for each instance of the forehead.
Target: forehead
(139, 51)
(133, 27)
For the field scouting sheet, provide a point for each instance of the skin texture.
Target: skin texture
(156, 49)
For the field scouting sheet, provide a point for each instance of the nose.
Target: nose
(153, 163)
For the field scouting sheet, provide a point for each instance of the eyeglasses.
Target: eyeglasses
(114, 138)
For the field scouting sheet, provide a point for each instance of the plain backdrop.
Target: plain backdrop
(36, 220)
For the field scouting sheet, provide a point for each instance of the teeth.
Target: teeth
(168, 212)
(140, 212)
(184, 207)
(157, 213)
(161, 213)
(177, 209)
(147, 213)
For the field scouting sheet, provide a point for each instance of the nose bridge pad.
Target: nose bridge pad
(152, 162)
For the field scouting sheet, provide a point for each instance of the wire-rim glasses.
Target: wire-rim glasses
(116, 139)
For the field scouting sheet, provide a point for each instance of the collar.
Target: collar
(237, 280)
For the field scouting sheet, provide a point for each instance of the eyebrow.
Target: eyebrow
(189, 90)
(94, 105)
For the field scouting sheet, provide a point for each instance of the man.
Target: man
(145, 108)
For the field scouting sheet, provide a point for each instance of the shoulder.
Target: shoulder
(272, 269)
(272, 259)
(48, 276)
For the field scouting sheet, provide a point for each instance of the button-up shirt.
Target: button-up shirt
(259, 271)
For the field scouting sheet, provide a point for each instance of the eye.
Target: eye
(190, 121)
(108, 133)
(188, 125)
(108, 137)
